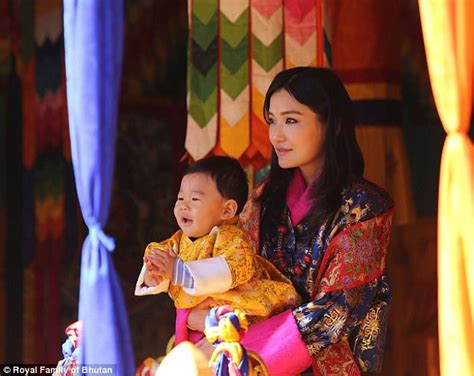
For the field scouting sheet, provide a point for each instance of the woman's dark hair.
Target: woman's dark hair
(230, 178)
(322, 91)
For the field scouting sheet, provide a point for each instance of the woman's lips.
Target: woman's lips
(282, 151)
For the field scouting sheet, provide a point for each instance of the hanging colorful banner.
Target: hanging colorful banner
(235, 50)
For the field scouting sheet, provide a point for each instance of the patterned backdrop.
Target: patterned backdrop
(235, 49)
(43, 253)
(43, 199)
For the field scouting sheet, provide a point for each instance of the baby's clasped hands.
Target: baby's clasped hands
(160, 264)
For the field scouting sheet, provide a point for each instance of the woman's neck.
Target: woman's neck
(309, 173)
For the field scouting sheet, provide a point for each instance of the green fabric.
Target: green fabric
(265, 56)
(234, 83)
(49, 175)
(203, 111)
(233, 58)
(204, 10)
(204, 33)
(234, 33)
(203, 86)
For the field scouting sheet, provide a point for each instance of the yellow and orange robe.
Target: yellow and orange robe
(224, 267)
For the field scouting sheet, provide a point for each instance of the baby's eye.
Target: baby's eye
(180, 198)
(195, 199)
(291, 121)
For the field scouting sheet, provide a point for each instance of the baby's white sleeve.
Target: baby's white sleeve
(141, 289)
(210, 276)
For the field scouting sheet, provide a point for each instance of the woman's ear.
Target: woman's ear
(230, 209)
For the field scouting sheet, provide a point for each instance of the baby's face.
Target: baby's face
(199, 206)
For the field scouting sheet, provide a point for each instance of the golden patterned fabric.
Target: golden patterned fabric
(335, 360)
(258, 288)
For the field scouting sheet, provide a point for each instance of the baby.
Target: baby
(210, 257)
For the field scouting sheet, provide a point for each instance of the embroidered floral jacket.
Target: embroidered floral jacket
(225, 268)
(339, 271)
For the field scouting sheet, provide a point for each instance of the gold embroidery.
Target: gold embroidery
(258, 287)
(334, 321)
(336, 359)
(370, 329)
(331, 277)
(314, 348)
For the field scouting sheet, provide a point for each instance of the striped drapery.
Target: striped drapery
(235, 49)
(447, 33)
(202, 80)
(234, 76)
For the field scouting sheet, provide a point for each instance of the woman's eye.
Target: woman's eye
(271, 121)
(291, 121)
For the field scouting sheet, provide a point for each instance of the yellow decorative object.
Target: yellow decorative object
(225, 328)
(233, 348)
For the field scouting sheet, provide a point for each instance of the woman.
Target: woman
(325, 227)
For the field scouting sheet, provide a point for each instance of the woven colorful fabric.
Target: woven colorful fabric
(234, 101)
(302, 29)
(237, 47)
(48, 191)
(225, 328)
(202, 78)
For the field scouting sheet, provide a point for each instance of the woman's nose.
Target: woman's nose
(276, 132)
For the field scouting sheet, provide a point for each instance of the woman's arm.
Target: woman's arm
(350, 298)
(288, 341)
(279, 343)
(277, 340)
(332, 316)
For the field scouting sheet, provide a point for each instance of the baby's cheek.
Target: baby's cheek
(175, 212)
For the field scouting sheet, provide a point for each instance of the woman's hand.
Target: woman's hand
(197, 316)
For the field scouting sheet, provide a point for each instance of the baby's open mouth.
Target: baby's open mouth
(187, 220)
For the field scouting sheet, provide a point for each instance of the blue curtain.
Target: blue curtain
(93, 36)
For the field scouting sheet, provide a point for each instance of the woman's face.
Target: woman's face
(296, 134)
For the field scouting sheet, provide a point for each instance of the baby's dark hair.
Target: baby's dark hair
(230, 178)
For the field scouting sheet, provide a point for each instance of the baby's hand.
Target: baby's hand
(160, 264)
(152, 277)
(149, 280)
